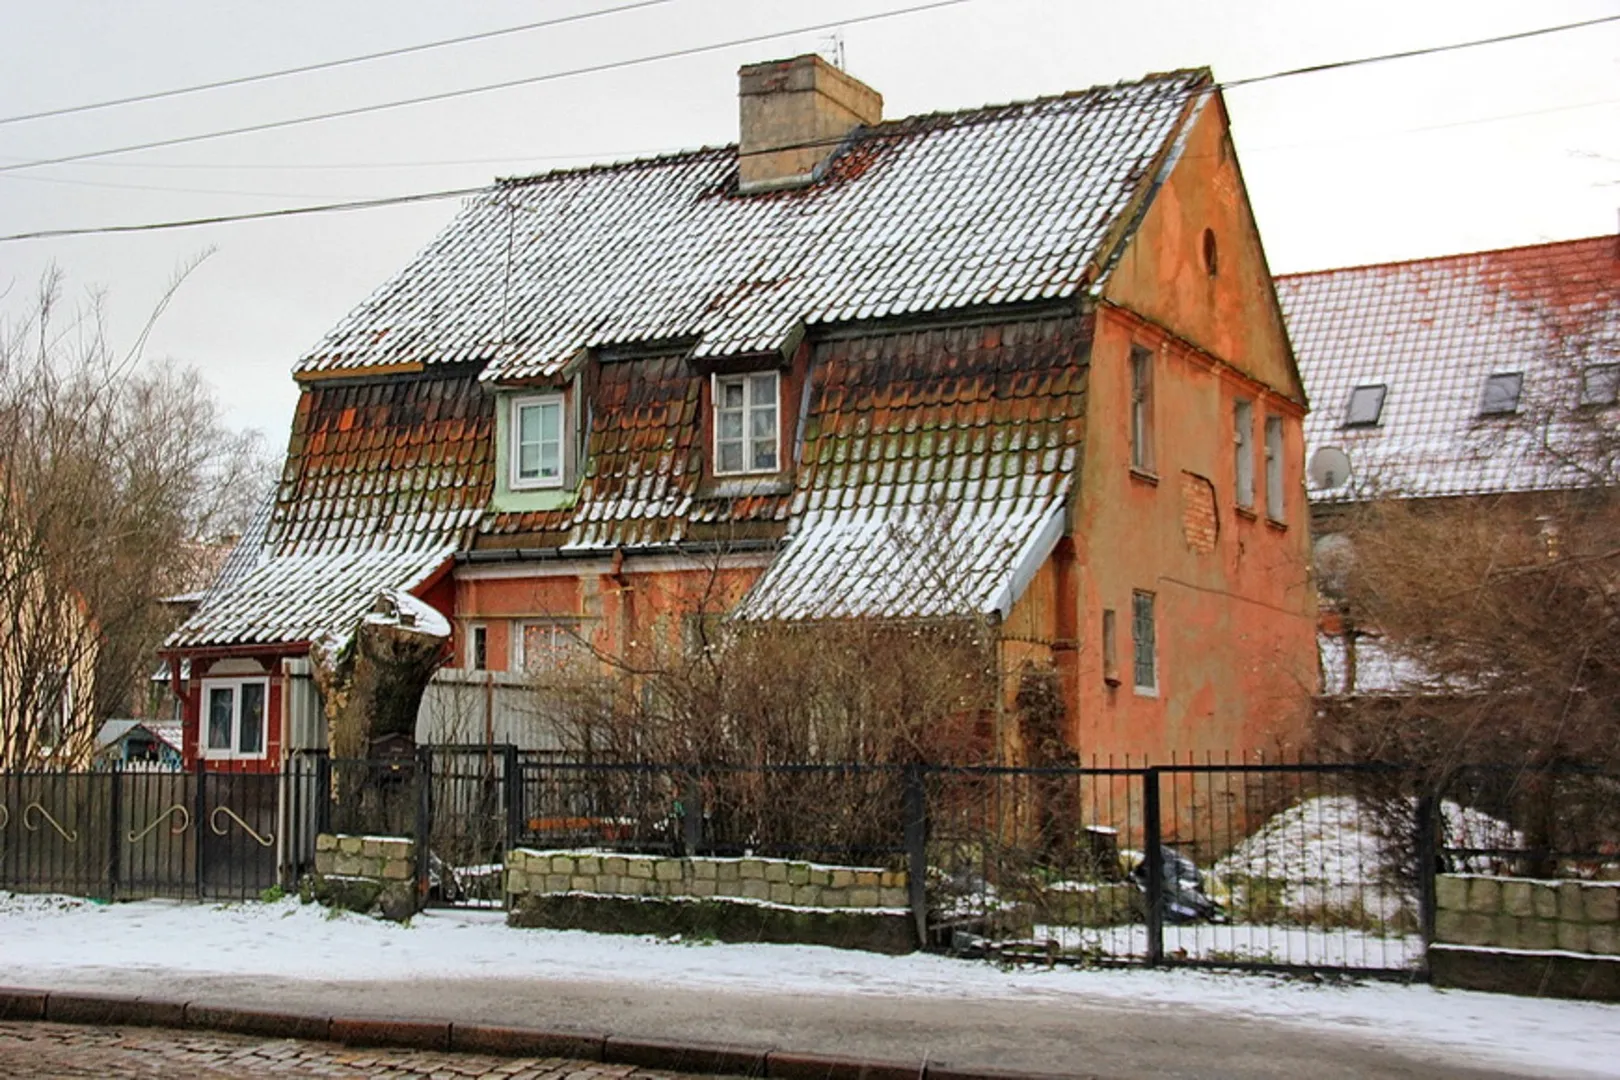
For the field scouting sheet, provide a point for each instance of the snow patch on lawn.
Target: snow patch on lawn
(42, 936)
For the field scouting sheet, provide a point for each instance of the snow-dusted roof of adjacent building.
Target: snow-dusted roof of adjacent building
(1432, 332)
(947, 211)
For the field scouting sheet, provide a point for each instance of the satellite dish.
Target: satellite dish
(1329, 468)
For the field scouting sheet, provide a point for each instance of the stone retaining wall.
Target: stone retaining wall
(1522, 913)
(373, 874)
(776, 881)
(1523, 936)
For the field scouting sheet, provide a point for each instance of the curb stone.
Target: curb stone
(417, 1034)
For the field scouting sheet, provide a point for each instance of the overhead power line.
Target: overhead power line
(508, 84)
(429, 196)
(326, 65)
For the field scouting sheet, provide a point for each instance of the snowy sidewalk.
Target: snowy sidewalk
(469, 966)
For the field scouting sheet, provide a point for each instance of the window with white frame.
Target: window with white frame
(537, 441)
(1145, 644)
(234, 717)
(1243, 453)
(1274, 469)
(550, 646)
(477, 647)
(747, 429)
(1141, 410)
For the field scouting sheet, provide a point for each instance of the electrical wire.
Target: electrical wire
(326, 65)
(508, 84)
(419, 197)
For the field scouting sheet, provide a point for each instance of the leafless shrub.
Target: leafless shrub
(114, 477)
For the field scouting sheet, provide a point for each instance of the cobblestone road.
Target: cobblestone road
(33, 1051)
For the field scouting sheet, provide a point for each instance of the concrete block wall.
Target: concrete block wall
(378, 858)
(779, 881)
(1523, 913)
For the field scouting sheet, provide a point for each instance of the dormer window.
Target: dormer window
(1501, 394)
(1366, 405)
(537, 441)
(747, 423)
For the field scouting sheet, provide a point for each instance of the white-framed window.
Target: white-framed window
(1275, 509)
(1144, 641)
(477, 647)
(546, 646)
(1243, 453)
(747, 428)
(235, 715)
(537, 441)
(1142, 410)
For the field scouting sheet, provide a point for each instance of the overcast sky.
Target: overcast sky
(1495, 146)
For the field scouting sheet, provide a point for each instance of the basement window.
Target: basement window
(1501, 394)
(1366, 405)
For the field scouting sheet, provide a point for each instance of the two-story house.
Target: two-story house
(1047, 328)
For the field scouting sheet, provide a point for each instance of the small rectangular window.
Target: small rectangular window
(1110, 649)
(1243, 452)
(1275, 509)
(478, 647)
(1141, 410)
(1501, 394)
(1600, 384)
(747, 437)
(235, 718)
(1366, 405)
(537, 442)
(1143, 640)
(547, 647)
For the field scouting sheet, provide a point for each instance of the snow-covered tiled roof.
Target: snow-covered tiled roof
(1433, 331)
(986, 206)
(383, 483)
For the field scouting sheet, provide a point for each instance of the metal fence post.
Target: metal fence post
(915, 813)
(1427, 866)
(114, 817)
(691, 814)
(323, 793)
(424, 819)
(512, 777)
(1152, 839)
(199, 822)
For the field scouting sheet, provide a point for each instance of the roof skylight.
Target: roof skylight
(1501, 394)
(1366, 405)
(1600, 384)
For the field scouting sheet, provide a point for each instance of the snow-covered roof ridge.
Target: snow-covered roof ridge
(1000, 204)
(1432, 332)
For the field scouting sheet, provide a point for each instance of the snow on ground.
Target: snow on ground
(40, 936)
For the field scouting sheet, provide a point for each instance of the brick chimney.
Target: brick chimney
(786, 103)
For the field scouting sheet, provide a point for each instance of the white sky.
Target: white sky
(1495, 146)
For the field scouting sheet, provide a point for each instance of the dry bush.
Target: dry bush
(114, 475)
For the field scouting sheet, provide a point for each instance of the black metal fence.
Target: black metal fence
(1296, 866)
(124, 835)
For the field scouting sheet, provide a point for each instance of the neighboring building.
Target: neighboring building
(1487, 375)
(1031, 352)
(139, 744)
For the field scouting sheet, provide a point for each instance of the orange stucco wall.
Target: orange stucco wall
(1234, 604)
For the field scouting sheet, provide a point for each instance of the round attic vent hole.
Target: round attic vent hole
(1210, 254)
